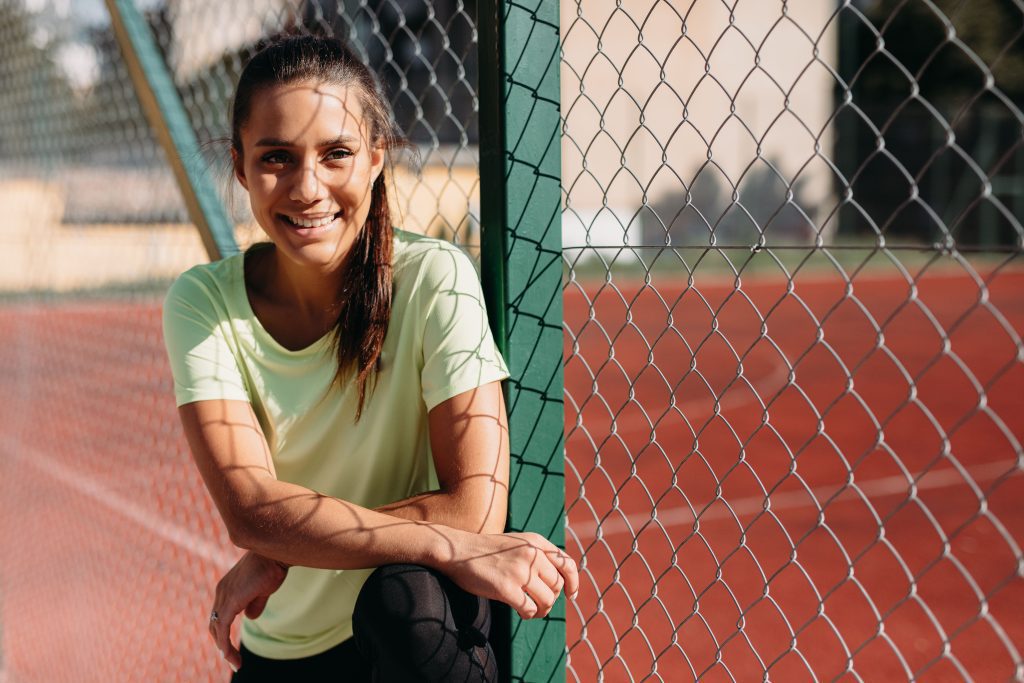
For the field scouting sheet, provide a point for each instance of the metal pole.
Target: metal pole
(167, 117)
(521, 245)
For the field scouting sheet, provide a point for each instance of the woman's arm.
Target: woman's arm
(292, 525)
(469, 442)
(284, 521)
(297, 526)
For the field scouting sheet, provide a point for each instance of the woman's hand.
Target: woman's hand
(246, 587)
(523, 570)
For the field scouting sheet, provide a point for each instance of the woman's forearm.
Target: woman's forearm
(297, 526)
(288, 522)
(475, 511)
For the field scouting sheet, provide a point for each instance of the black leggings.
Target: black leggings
(410, 624)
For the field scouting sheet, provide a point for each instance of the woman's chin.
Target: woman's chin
(321, 248)
(316, 254)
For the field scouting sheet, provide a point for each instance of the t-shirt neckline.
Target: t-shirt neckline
(242, 294)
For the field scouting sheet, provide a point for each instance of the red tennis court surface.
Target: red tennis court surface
(110, 546)
(837, 488)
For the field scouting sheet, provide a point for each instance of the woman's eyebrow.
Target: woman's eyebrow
(344, 138)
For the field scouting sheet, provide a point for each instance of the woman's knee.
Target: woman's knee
(412, 622)
(394, 598)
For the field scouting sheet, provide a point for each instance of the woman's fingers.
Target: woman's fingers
(550, 575)
(542, 596)
(551, 570)
(523, 570)
(565, 571)
(255, 608)
(568, 571)
(221, 618)
(527, 608)
(220, 629)
(246, 587)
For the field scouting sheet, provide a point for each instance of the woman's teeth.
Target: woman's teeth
(311, 223)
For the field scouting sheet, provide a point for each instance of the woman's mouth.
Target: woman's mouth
(309, 225)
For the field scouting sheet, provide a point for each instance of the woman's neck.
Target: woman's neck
(311, 295)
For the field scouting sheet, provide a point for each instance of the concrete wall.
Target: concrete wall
(655, 93)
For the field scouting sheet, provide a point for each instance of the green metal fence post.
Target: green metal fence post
(521, 243)
(166, 114)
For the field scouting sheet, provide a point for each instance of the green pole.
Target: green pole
(521, 245)
(167, 117)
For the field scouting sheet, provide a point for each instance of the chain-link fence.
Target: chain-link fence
(793, 360)
(793, 339)
(110, 547)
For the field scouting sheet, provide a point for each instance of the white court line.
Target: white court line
(882, 487)
(774, 378)
(221, 557)
(676, 516)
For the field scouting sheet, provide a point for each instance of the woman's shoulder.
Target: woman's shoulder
(414, 244)
(206, 282)
(429, 256)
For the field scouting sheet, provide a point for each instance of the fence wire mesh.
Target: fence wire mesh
(109, 545)
(792, 309)
(792, 245)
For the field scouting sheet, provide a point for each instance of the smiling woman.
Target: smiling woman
(309, 164)
(340, 391)
(313, 149)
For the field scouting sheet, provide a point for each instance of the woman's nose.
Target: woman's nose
(307, 187)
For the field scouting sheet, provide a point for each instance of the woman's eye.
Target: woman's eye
(274, 158)
(337, 155)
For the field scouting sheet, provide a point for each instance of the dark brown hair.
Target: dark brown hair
(364, 298)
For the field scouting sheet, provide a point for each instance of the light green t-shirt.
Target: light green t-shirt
(438, 345)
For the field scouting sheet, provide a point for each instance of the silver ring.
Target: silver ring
(214, 617)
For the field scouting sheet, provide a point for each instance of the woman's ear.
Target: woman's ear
(238, 167)
(376, 163)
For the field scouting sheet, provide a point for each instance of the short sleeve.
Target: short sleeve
(459, 352)
(202, 363)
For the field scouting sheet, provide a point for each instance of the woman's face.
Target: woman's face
(309, 165)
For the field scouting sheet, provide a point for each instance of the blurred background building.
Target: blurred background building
(703, 125)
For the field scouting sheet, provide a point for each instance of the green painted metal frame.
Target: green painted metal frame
(521, 244)
(167, 117)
